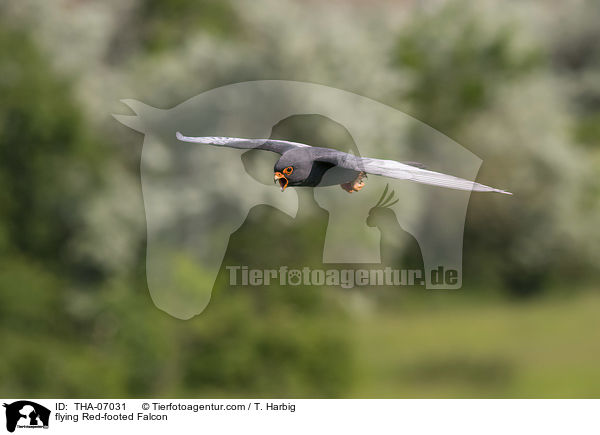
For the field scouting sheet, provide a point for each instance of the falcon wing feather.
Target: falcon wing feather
(393, 169)
(276, 146)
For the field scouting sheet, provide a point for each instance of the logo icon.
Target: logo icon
(26, 414)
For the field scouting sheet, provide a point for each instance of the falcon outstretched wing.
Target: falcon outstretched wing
(276, 146)
(403, 171)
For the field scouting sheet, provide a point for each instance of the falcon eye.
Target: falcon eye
(288, 170)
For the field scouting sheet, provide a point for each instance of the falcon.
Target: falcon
(302, 165)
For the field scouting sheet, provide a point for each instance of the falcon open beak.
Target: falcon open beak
(283, 182)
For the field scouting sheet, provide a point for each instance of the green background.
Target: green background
(516, 83)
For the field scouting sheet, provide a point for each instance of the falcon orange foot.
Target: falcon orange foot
(355, 185)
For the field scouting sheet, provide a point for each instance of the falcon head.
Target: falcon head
(291, 170)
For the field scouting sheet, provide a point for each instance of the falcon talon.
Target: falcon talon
(356, 185)
(305, 165)
(347, 187)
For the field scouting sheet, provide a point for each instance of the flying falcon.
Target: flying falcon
(307, 166)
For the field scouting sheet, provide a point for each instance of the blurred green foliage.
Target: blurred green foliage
(459, 76)
(480, 80)
(166, 23)
(486, 350)
(48, 161)
(71, 330)
(156, 26)
(576, 57)
(76, 316)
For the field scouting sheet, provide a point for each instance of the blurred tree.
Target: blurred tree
(157, 25)
(456, 62)
(48, 162)
(575, 55)
(481, 82)
(75, 327)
